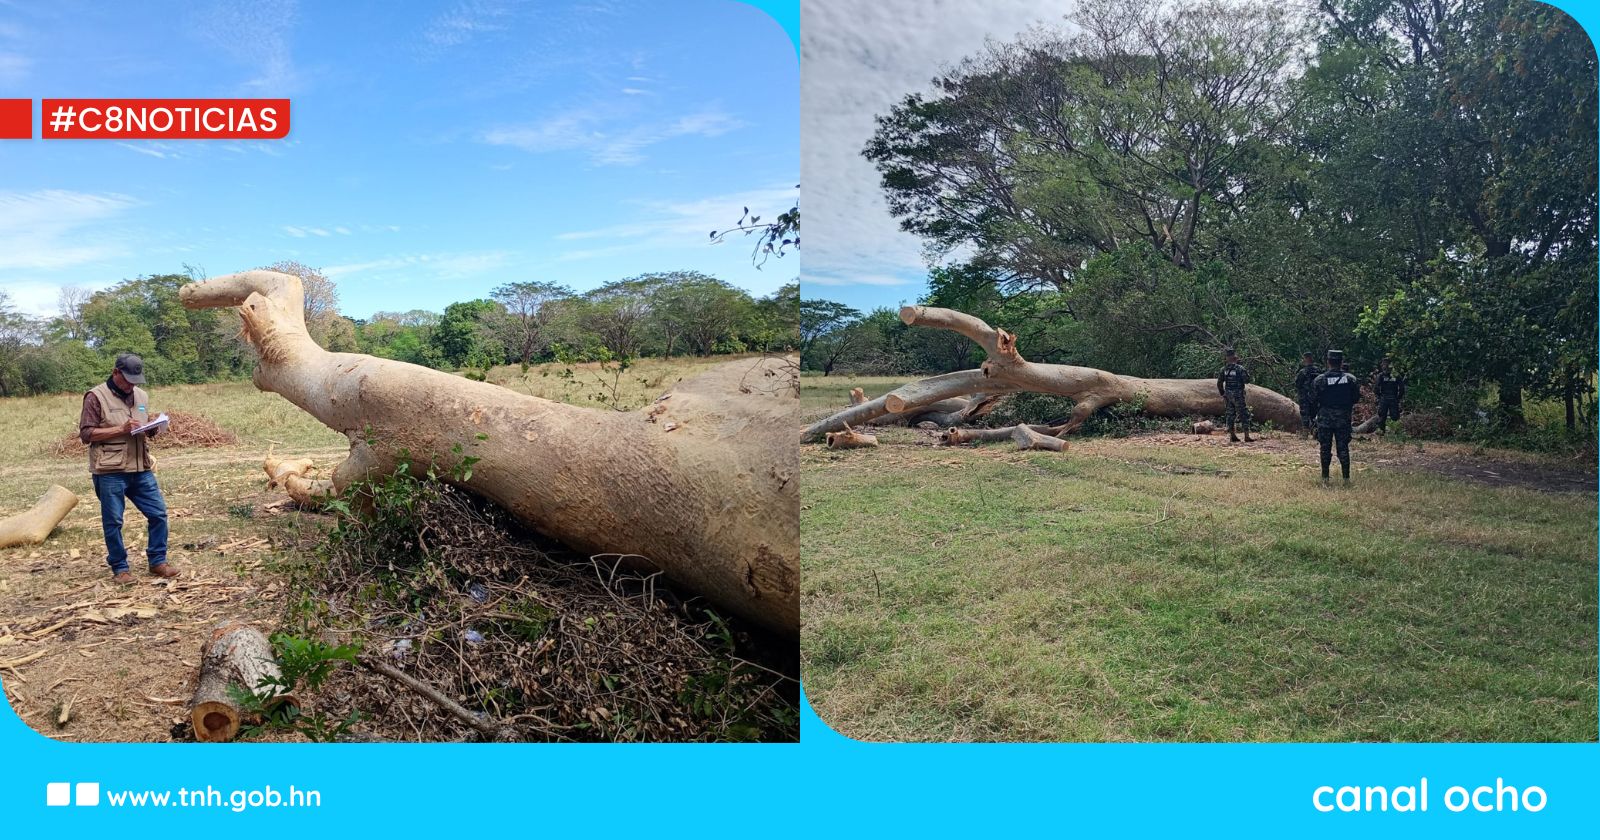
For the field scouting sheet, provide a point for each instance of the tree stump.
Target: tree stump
(235, 654)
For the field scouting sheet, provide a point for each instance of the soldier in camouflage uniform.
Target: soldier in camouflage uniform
(1305, 379)
(1333, 394)
(1230, 384)
(1391, 390)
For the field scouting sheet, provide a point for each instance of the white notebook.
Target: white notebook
(161, 420)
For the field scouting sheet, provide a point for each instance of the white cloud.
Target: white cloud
(57, 229)
(856, 279)
(465, 21)
(39, 298)
(601, 134)
(14, 68)
(860, 59)
(425, 267)
(255, 34)
(673, 223)
(155, 150)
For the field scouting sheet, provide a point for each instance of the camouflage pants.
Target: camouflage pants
(1388, 409)
(1308, 416)
(1238, 409)
(1333, 426)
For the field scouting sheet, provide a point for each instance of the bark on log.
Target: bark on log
(955, 411)
(236, 654)
(1027, 438)
(701, 485)
(1005, 372)
(851, 439)
(294, 476)
(956, 435)
(34, 525)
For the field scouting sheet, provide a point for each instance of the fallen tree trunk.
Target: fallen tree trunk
(955, 435)
(236, 654)
(701, 485)
(1006, 372)
(33, 526)
(955, 411)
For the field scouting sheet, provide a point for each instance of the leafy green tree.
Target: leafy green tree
(701, 309)
(462, 335)
(774, 323)
(619, 315)
(525, 327)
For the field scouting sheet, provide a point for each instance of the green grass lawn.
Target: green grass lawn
(1127, 590)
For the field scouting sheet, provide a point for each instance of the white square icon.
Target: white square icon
(58, 793)
(88, 793)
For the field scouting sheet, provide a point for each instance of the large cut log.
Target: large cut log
(1091, 389)
(700, 485)
(956, 411)
(236, 654)
(34, 525)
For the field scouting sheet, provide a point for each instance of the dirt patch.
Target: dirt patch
(1495, 472)
(1496, 469)
(186, 431)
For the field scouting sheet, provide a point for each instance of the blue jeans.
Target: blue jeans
(141, 489)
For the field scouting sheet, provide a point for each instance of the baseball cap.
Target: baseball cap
(132, 368)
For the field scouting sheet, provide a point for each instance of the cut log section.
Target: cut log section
(956, 435)
(851, 439)
(1006, 372)
(292, 474)
(33, 526)
(1027, 438)
(701, 485)
(236, 654)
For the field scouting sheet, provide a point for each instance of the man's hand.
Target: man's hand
(127, 428)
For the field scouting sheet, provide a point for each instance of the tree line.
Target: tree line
(523, 322)
(1413, 178)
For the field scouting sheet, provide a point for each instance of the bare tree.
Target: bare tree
(322, 298)
(528, 315)
(71, 302)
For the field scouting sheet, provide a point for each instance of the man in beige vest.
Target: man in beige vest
(121, 466)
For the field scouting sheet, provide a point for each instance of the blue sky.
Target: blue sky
(438, 149)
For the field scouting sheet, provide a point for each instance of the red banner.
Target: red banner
(165, 119)
(16, 119)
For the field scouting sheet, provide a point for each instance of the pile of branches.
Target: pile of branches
(186, 430)
(538, 644)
